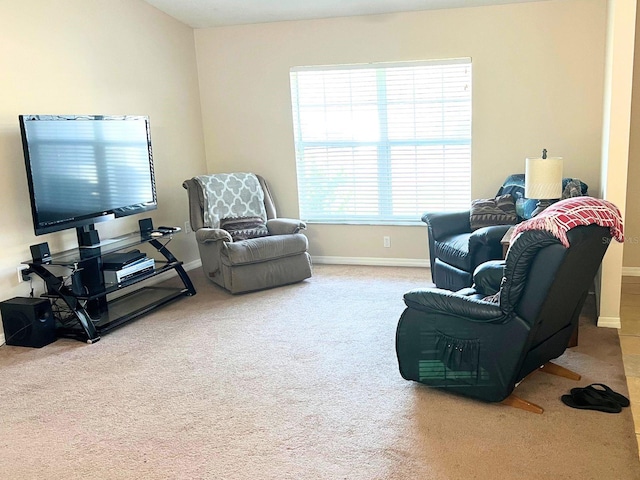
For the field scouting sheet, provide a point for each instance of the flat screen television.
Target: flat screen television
(85, 169)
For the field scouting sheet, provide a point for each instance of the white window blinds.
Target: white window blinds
(382, 143)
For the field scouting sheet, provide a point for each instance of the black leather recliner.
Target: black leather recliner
(468, 344)
(455, 251)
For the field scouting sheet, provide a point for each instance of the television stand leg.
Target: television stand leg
(54, 284)
(179, 269)
(95, 308)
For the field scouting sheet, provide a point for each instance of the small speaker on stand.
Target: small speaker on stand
(146, 225)
(28, 322)
(40, 252)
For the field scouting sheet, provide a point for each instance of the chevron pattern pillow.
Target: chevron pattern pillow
(242, 228)
(486, 212)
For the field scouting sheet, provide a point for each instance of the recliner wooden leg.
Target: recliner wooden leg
(554, 369)
(514, 401)
(549, 367)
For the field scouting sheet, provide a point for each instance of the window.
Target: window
(382, 143)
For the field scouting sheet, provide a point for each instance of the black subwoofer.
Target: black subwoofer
(28, 322)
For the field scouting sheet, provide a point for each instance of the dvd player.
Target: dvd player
(116, 261)
(130, 271)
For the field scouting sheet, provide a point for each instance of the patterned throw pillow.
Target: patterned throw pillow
(242, 228)
(493, 211)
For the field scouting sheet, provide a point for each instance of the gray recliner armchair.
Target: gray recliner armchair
(243, 245)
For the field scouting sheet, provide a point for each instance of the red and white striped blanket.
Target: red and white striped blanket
(562, 216)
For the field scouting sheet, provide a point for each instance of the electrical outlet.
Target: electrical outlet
(187, 227)
(386, 242)
(23, 277)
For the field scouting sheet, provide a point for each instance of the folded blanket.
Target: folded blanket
(566, 214)
(231, 195)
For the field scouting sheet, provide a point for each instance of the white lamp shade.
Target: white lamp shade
(543, 178)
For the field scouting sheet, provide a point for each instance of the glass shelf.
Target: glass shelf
(122, 310)
(112, 245)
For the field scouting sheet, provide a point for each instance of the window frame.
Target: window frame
(383, 144)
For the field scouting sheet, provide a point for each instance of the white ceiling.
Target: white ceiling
(215, 13)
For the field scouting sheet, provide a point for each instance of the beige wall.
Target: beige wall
(616, 143)
(538, 83)
(631, 258)
(96, 57)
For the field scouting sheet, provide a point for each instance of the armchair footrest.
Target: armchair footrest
(258, 250)
(281, 271)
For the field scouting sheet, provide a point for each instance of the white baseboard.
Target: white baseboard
(2, 339)
(192, 265)
(372, 261)
(631, 271)
(609, 322)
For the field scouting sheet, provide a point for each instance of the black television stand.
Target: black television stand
(87, 306)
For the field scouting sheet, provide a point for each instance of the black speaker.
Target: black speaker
(146, 225)
(28, 322)
(40, 252)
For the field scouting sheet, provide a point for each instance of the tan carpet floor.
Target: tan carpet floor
(299, 382)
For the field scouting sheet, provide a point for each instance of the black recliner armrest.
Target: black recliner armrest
(442, 224)
(438, 301)
(487, 277)
(488, 235)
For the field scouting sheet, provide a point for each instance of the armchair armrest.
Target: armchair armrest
(488, 276)
(284, 226)
(488, 235)
(442, 224)
(209, 235)
(438, 301)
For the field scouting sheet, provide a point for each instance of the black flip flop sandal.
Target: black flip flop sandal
(607, 391)
(588, 399)
(604, 392)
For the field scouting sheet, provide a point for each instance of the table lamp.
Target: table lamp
(543, 180)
